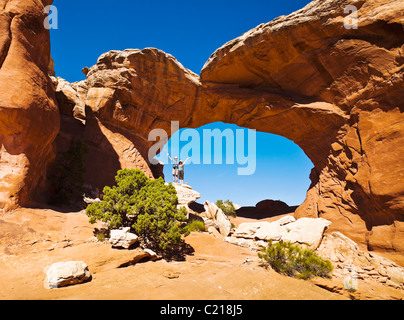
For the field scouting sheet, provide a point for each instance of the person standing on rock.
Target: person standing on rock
(175, 168)
(181, 170)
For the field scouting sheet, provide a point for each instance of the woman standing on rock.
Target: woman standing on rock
(181, 170)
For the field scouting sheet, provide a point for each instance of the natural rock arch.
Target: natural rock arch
(335, 92)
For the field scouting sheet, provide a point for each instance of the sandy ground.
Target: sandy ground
(33, 239)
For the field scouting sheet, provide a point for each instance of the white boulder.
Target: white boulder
(186, 195)
(211, 210)
(209, 223)
(152, 255)
(64, 274)
(285, 220)
(264, 230)
(122, 238)
(223, 222)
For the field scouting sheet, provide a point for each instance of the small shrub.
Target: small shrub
(194, 226)
(296, 261)
(227, 207)
(101, 236)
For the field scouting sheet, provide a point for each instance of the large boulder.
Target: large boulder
(270, 232)
(345, 255)
(214, 213)
(264, 230)
(64, 274)
(224, 223)
(211, 210)
(248, 230)
(71, 97)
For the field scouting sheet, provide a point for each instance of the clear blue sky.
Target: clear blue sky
(282, 171)
(191, 31)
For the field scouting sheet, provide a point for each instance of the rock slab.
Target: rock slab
(306, 231)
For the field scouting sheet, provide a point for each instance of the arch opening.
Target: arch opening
(228, 162)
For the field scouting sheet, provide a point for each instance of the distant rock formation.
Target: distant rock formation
(266, 209)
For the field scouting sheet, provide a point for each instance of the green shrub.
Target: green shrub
(148, 207)
(194, 226)
(67, 177)
(296, 261)
(101, 237)
(227, 207)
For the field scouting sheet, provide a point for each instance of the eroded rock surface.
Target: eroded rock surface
(29, 118)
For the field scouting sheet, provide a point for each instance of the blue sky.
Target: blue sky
(191, 31)
(282, 170)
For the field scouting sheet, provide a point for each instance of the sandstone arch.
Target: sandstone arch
(337, 93)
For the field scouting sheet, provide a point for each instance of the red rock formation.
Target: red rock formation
(29, 119)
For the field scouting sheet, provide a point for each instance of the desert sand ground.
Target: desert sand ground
(33, 239)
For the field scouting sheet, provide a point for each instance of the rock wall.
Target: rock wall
(29, 118)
